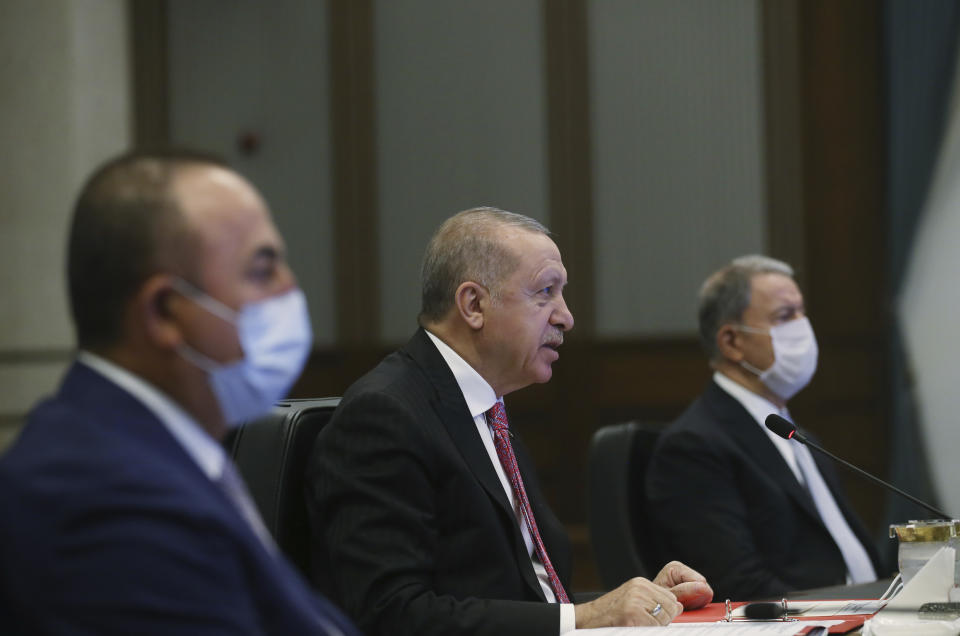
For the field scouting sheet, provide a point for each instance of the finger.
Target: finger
(674, 573)
(669, 606)
(640, 600)
(664, 613)
(693, 594)
(687, 574)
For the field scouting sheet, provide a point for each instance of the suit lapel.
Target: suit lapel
(135, 425)
(452, 410)
(754, 443)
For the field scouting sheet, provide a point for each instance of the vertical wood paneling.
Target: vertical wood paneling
(843, 203)
(782, 128)
(569, 157)
(353, 134)
(148, 49)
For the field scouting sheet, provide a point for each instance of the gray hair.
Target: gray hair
(468, 247)
(725, 295)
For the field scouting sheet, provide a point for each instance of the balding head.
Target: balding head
(126, 225)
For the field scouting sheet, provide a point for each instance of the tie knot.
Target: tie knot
(497, 416)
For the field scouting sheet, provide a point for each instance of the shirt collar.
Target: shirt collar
(758, 406)
(204, 450)
(476, 391)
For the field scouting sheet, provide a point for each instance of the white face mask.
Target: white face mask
(275, 337)
(795, 357)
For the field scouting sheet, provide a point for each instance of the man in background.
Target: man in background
(427, 516)
(121, 513)
(754, 512)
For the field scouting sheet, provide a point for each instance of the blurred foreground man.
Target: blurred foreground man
(428, 518)
(120, 512)
(757, 514)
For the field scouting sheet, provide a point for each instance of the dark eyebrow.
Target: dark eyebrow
(268, 253)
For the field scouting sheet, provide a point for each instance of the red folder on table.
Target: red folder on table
(718, 611)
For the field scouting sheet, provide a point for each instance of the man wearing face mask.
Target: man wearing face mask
(121, 512)
(755, 513)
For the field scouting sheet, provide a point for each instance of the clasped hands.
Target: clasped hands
(675, 588)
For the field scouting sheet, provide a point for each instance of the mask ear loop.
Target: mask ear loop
(743, 363)
(200, 297)
(752, 369)
(210, 304)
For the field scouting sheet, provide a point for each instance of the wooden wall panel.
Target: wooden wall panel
(354, 179)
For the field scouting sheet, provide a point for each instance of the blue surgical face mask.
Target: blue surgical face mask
(794, 357)
(275, 337)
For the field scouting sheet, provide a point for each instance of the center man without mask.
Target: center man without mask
(427, 514)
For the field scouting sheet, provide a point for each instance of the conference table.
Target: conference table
(715, 611)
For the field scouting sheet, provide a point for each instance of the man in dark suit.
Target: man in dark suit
(121, 513)
(755, 513)
(426, 511)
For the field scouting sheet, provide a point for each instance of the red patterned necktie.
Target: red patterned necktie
(497, 418)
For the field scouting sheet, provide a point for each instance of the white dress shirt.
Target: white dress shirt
(759, 408)
(480, 397)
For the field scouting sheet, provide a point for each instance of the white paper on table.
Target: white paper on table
(891, 625)
(787, 628)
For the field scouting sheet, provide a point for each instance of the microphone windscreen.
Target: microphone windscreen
(781, 426)
(763, 611)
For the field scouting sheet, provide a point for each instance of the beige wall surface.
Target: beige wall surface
(678, 166)
(258, 68)
(460, 118)
(65, 108)
(460, 123)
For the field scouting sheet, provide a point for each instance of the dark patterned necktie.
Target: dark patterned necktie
(497, 418)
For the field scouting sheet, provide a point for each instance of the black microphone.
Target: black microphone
(766, 611)
(788, 430)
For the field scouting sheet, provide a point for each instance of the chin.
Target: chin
(544, 375)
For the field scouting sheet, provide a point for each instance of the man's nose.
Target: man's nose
(562, 318)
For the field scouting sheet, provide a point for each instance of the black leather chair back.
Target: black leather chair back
(618, 459)
(271, 454)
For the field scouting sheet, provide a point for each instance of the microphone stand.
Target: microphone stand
(800, 437)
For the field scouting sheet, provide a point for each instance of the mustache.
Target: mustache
(554, 339)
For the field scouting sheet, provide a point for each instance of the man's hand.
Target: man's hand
(632, 604)
(688, 585)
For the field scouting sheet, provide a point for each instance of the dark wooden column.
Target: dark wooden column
(354, 179)
(149, 70)
(783, 165)
(825, 156)
(568, 157)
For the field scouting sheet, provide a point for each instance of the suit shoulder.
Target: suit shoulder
(697, 420)
(397, 380)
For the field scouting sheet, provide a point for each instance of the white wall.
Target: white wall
(460, 123)
(928, 309)
(460, 101)
(251, 66)
(677, 154)
(65, 108)
(460, 116)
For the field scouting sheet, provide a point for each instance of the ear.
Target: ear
(728, 343)
(155, 308)
(471, 300)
